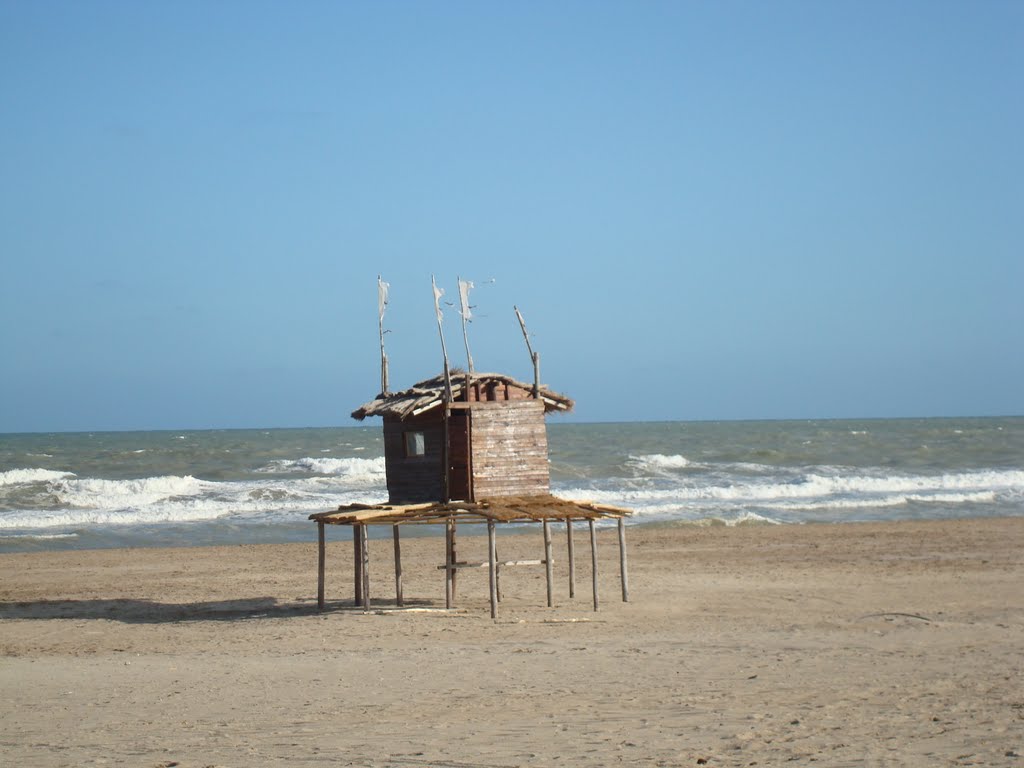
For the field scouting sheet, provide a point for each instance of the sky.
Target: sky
(728, 210)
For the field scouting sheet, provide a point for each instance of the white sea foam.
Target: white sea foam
(91, 493)
(168, 499)
(814, 491)
(353, 468)
(659, 461)
(746, 518)
(40, 536)
(25, 476)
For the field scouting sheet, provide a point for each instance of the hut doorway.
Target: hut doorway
(460, 470)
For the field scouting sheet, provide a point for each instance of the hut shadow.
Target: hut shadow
(150, 612)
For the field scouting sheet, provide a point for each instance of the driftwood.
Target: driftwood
(893, 613)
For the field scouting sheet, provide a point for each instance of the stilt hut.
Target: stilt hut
(467, 447)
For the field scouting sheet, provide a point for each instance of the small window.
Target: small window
(415, 444)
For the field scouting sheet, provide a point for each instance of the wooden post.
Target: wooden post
(547, 558)
(497, 572)
(492, 557)
(623, 575)
(382, 302)
(321, 556)
(572, 558)
(357, 558)
(448, 564)
(534, 356)
(399, 600)
(455, 571)
(364, 542)
(593, 557)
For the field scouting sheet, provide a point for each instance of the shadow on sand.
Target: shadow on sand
(150, 612)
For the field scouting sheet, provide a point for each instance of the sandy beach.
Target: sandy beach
(847, 645)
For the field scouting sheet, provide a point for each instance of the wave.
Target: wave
(26, 476)
(71, 501)
(354, 468)
(658, 461)
(812, 491)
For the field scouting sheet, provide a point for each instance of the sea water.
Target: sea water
(105, 489)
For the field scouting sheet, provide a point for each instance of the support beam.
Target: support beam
(547, 559)
(623, 574)
(455, 559)
(399, 599)
(593, 558)
(357, 558)
(364, 545)
(572, 558)
(320, 557)
(492, 556)
(449, 560)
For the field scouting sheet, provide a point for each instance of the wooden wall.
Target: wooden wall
(510, 449)
(419, 478)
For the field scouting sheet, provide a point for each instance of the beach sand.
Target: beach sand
(846, 645)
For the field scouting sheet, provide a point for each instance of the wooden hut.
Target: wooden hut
(489, 441)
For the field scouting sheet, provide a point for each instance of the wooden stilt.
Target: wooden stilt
(399, 599)
(547, 558)
(455, 572)
(364, 545)
(623, 575)
(357, 557)
(492, 557)
(321, 551)
(593, 558)
(448, 562)
(572, 558)
(497, 572)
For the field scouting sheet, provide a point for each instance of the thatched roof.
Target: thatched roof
(429, 394)
(510, 509)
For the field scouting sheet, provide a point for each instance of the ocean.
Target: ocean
(192, 488)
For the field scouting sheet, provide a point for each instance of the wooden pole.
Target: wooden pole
(547, 559)
(364, 534)
(464, 288)
(593, 558)
(448, 596)
(357, 557)
(534, 356)
(382, 302)
(492, 557)
(321, 552)
(572, 558)
(623, 575)
(497, 572)
(399, 599)
(455, 559)
(438, 293)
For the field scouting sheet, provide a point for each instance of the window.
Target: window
(415, 444)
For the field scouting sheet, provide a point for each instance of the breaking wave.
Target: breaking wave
(25, 476)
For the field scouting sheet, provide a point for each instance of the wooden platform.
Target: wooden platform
(531, 509)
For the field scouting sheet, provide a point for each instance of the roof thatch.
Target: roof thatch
(429, 394)
(511, 509)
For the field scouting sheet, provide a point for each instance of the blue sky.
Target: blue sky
(704, 210)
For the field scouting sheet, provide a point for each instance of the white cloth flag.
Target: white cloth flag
(465, 286)
(438, 293)
(382, 296)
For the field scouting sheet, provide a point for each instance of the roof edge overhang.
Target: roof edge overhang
(427, 395)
